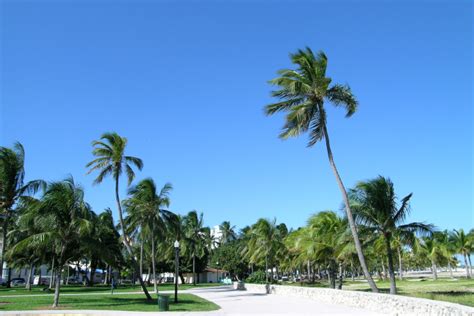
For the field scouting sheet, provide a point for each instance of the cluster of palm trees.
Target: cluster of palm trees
(52, 224)
(324, 249)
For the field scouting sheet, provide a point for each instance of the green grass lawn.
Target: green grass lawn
(20, 290)
(123, 302)
(460, 291)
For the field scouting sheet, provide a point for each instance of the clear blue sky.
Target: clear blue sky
(186, 84)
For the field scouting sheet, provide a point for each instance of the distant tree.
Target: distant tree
(228, 232)
(464, 246)
(196, 237)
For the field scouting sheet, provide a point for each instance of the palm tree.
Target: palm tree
(263, 244)
(328, 231)
(12, 187)
(464, 246)
(195, 235)
(145, 212)
(302, 93)
(434, 249)
(375, 206)
(111, 160)
(62, 218)
(228, 232)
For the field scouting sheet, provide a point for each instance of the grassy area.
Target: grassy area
(123, 302)
(95, 289)
(460, 291)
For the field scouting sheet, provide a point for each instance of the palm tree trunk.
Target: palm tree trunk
(466, 264)
(391, 272)
(435, 272)
(194, 268)
(4, 243)
(470, 264)
(350, 218)
(341, 276)
(450, 270)
(126, 241)
(400, 266)
(141, 257)
(57, 287)
(28, 280)
(52, 275)
(266, 268)
(153, 259)
(352, 271)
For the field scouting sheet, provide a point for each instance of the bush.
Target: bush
(257, 277)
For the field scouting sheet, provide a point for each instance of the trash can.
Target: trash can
(163, 302)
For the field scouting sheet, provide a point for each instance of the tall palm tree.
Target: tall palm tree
(12, 187)
(195, 235)
(112, 161)
(145, 211)
(375, 206)
(62, 218)
(302, 93)
(464, 246)
(228, 232)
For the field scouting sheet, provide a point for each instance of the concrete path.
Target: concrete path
(232, 302)
(247, 303)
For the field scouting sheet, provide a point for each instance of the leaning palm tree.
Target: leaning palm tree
(111, 160)
(146, 213)
(12, 187)
(302, 93)
(375, 206)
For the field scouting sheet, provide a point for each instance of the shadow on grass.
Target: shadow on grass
(450, 293)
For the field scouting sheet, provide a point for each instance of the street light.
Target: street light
(176, 270)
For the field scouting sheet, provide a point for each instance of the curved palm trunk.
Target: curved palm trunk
(391, 273)
(350, 218)
(125, 239)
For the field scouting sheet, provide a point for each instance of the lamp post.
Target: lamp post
(176, 270)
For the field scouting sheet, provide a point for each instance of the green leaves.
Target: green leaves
(111, 158)
(302, 92)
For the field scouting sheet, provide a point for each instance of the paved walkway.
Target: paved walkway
(234, 303)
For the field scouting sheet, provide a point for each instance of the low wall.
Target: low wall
(383, 303)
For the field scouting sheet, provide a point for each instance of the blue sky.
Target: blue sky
(186, 83)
